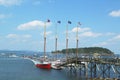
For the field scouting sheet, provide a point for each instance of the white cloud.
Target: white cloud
(90, 34)
(116, 38)
(111, 41)
(32, 25)
(115, 13)
(103, 43)
(36, 2)
(80, 29)
(18, 39)
(2, 16)
(47, 33)
(109, 34)
(85, 32)
(10, 2)
(12, 36)
(51, 1)
(26, 36)
(16, 36)
(100, 44)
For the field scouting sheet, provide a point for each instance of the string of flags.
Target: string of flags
(69, 22)
(59, 22)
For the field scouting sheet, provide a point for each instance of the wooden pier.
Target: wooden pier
(94, 68)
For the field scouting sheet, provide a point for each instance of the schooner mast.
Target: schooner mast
(77, 41)
(45, 38)
(56, 37)
(69, 22)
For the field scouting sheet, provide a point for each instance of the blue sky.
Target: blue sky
(22, 24)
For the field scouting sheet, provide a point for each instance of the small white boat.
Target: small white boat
(56, 67)
(55, 64)
(13, 56)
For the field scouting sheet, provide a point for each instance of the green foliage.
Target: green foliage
(87, 50)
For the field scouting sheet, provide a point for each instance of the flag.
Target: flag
(79, 23)
(59, 22)
(69, 22)
(48, 20)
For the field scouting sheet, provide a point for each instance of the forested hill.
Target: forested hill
(87, 50)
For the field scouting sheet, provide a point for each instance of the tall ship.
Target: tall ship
(44, 63)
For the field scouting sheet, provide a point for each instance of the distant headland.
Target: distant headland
(87, 50)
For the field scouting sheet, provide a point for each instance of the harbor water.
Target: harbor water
(23, 69)
(16, 67)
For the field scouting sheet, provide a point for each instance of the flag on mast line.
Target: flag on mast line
(48, 20)
(69, 22)
(79, 23)
(59, 22)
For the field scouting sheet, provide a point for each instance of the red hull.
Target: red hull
(44, 66)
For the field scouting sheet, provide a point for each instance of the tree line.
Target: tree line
(86, 50)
